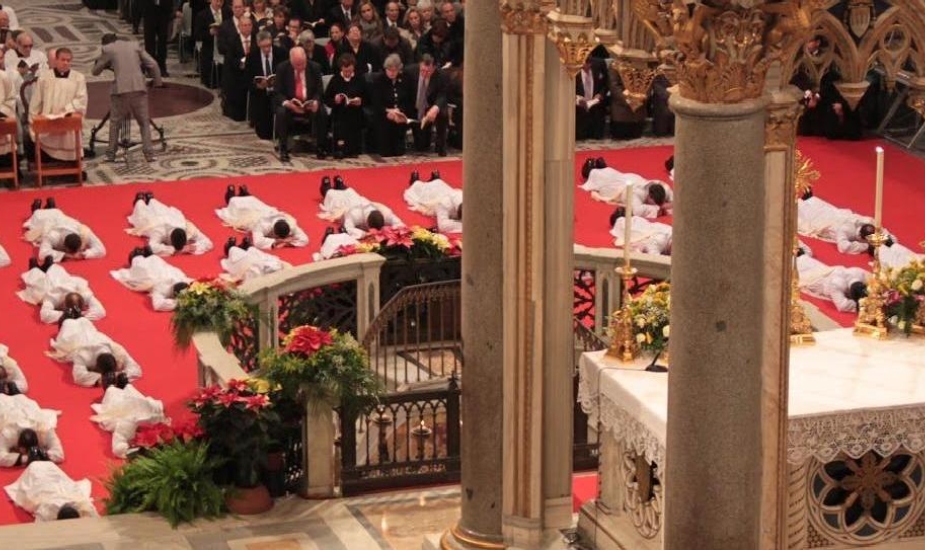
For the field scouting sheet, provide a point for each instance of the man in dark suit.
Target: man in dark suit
(430, 104)
(344, 12)
(316, 53)
(314, 13)
(205, 30)
(454, 21)
(625, 123)
(235, 83)
(298, 99)
(393, 103)
(436, 42)
(157, 15)
(392, 42)
(228, 32)
(260, 64)
(591, 92)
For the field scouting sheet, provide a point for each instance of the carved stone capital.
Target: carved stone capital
(573, 36)
(637, 77)
(781, 125)
(524, 16)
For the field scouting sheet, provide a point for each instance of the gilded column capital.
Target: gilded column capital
(573, 36)
(524, 16)
(637, 75)
(781, 125)
(722, 49)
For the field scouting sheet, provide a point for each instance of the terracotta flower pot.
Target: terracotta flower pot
(248, 500)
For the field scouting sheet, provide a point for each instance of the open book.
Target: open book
(350, 100)
(300, 103)
(269, 80)
(214, 25)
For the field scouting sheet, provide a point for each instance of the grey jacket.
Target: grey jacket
(127, 58)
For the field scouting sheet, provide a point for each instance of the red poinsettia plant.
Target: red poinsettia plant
(152, 436)
(405, 242)
(306, 340)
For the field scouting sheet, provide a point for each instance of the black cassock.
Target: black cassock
(347, 120)
(261, 108)
(387, 94)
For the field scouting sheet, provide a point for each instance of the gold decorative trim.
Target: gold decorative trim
(636, 82)
(574, 37)
(780, 130)
(523, 17)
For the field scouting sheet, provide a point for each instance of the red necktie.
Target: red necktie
(299, 88)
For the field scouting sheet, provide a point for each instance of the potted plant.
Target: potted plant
(207, 305)
(905, 293)
(237, 421)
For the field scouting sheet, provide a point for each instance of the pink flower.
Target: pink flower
(398, 236)
(227, 399)
(237, 386)
(256, 402)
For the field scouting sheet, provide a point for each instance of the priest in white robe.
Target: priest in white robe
(438, 199)
(897, 256)
(89, 351)
(4, 257)
(153, 275)
(166, 228)
(246, 263)
(844, 286)
(51, 289)
(645, 237)
(825, 221)
(11, 373)
(333, 244)
(122, 411)
(43, 489)
(61, 236)
(267, 227)
(22, 420)
(59, 93)
(359, 220)
(337, 202)
(651, 198)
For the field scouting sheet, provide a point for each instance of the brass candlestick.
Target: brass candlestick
(622, 341)
(871, 310)
(801, 330)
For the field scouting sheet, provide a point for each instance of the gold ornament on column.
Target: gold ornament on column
(872, 309)
(524, 16)
(637, 78)
(801, 330)
(573, 36)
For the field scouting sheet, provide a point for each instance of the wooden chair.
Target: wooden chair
(9, 129)
(70, 124)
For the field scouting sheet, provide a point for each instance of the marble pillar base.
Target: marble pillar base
(607, 531)
(551, 540)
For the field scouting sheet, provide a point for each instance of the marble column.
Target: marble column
(482, 290)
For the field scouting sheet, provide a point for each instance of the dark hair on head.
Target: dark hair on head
(355, 24)
(390, 33)
(178, 238)
(427, 59)
(108, 38)
(459, 212)
(866, 230)
(375, 220)
(856, 291)
(346, 60)
(338, 24)
(658, 194)
(68, 511)
(61, 51)
(282, 10)
(117, 379)
(618, 213)
(72, 243)
(179, 287)
(28, 439)
(106, 362)
(73, 299)
(807, 195)
(281, 229)
(439, 28)
(3, 373)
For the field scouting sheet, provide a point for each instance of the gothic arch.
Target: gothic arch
(841, 51)
(896, 40)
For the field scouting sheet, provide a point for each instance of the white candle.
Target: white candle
(628, 218)
(878, 205)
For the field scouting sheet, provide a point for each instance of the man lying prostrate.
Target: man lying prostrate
(360, 220)
(27, 432)
(122, 411)
(897, 256)
(337, 199)
(4, 257)
(332, 243)
(58, 291)
(244, 261)
(166, 228)
(12, 379)
(645, 236)
(60, 236)
(844, 286)
(91, 353)
(153, 275)
(47, 493)
(266, 226)
(437, 199)
(651, 198)
(822, 220)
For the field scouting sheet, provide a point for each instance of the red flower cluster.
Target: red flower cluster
(238, 391)
(392, 236)
(306, 340)
(152, 435)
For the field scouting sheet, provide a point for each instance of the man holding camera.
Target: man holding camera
(129, 92)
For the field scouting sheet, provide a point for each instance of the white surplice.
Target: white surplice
(13, 372)
(43, 489)
(898, 256)
(609, 185)
(331, 246)
(78, 342)
(156, 221)
(56, 97)
(4, 257)
(436, 198)
(645, 236)
(829, 282)
(153, 275)
(7, 107)
(241, 265)
(355, 219)
(825, 221)
(47, 228)
(122, 411)
(49, 288)
(252, 215)
(17, 413)
(337, 202)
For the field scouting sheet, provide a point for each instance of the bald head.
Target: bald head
(297, 58)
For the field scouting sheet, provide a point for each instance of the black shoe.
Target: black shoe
(435, 175)
(148, 196)
(328, 231)
(339, 183)
(47, 263)
(599, 163)
(36, 204)
(243, 192)
(229, 193)
(325, 186)
(146, 250)
(139, 196)
(33, 263)
(135, 252)
(230, 243)
(284, 156)
(50, 203)
(343, 229)
(246, 243)
(415, 176)
(586, 168)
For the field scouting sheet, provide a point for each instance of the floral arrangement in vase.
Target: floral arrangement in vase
(650, 316)
(905, 293)
(207, 304)
(406, 242)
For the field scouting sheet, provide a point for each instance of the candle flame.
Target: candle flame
(879, 149)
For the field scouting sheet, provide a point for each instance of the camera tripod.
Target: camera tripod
(125, 135)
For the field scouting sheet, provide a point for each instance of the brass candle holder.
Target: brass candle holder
(622, 341)
(872, 309)
(801, 329)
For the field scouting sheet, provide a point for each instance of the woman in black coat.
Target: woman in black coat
(346, 95)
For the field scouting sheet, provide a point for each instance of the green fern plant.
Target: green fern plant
(173, 480)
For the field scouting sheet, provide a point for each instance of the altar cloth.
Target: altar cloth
(847, 394)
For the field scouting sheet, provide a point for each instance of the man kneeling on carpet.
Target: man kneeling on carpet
(166, 228)
(651, 198)
(47, 493)
(91, 353)
(436, 198)
(59, 236)
(58, 291)
(153, 275)
(122, 410)
(12, 379)
(27, 432)
(244, 261)
(844, 286)
(266, 226)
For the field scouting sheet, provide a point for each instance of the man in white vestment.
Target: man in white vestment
(822, 220)
(55, 289)
(166, 228)
(267, 227)
(897, 256)
(27, 432)
(153, 275)
(10, 373)
(61, 236)
(336, 202)
(436, 198)
(59, 93)
(651, 198)
(333, 243)
(44, 490)
(122, 411)
(4, 257)
(645, 237)
(13, 21)
(32, 59)
(91, 353)
(844, 286)
(246, 262)
(7, 112)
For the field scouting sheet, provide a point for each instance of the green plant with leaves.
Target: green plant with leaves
(173, 480)
(650, 314)
(322, 366)
(904, 292)
(208, 305)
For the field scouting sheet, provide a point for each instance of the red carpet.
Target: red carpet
(847, 181)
